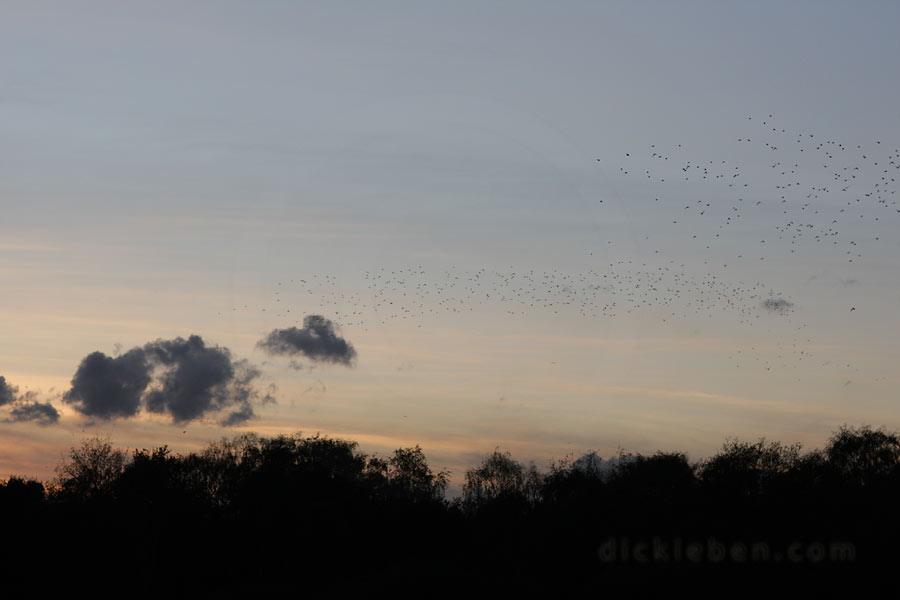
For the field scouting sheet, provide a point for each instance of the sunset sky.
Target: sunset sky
(548, 227)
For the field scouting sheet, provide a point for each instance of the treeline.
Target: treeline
(312, 513)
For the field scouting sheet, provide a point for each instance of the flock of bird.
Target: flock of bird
(799, 189)
(621, 288)
(800, 194)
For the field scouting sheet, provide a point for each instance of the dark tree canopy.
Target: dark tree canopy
(252, 513)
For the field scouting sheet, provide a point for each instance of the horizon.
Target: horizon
(597, 465)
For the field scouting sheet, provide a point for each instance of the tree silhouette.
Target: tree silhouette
(289, 509)
(498, 476)
(18, 494)
(408, 474)
(91, 470)
(502, 480)
(864, 455)
(657, 478)
(743, 469)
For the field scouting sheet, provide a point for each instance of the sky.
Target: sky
(548, 228)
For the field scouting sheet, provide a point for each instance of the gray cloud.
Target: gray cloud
(185, 379)
(196, 379)
(42, 413)
(29, 396)
(239, 416)
(779, 305)
(269, 398)
(7, 392)
(107, 388)
(317, 341)
(24, 406)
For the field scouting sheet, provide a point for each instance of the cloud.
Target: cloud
(7, 392)
(29, 396)
(197, 379)
(185, 379)
(24, 406)
(779, 305)
(269, 398)
(43, 413)
(239, 417)
(107, 388)
(317, 341)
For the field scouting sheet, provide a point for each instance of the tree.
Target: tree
(19, 493)
(152, 479)
(500, 477)
(746, 469)
(864, 455)
(91, 470)
(408, 471)
(660, 476)
(590, 464)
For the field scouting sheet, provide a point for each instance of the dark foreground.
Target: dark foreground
(297, 516)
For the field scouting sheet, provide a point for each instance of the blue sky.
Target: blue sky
(165, 165)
